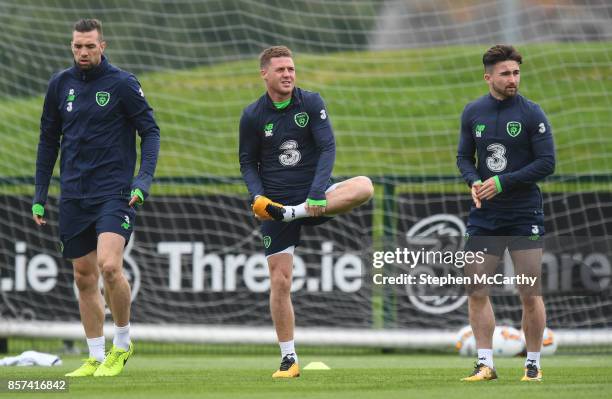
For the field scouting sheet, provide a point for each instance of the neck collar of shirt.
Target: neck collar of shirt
(295, 100)
(504, 103)
(91, 74)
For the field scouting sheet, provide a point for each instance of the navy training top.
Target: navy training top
(287, 154)
(93, 116)
(512, 139)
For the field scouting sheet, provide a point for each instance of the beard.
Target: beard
(85, 67)
(506, 91)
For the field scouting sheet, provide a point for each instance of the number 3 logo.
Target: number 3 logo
(323, 114)
(497, 162)
(290, 155)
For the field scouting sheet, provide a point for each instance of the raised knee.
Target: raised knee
(365, 189)
(368, 187)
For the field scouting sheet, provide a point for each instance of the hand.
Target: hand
(475, 187)
(315, 210)
(134, 200)
(488, 189)
(137, 197)
(38, 211)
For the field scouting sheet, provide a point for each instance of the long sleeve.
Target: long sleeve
(326, 145)
(49, 143)
(141, 116)
(466, 161)
(543, 148)
(249, 157)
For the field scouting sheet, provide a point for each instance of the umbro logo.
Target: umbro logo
(268, 130)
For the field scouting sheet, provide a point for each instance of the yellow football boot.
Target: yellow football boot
(288, 368)
(532, 373)
(87, 369)
(481, 373)
(266, 209)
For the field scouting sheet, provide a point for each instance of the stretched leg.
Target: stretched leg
(348, 195)
(341, 198)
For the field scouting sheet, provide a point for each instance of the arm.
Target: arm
(326, 144)
(48, 147)
(249, 156)
(466, 162)
(140, 115)
(543, 147)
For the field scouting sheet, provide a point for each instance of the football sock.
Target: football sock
(288, 348)
(96, 348)
(533, 358)
(122, 337)
(295, 212)
(485, 356)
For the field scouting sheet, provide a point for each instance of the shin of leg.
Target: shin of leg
(534, 321)
(529, 263)
(349, 194)
(91, 307)
(117, 289)
(281, 267)
(481, 314)
(482, 320)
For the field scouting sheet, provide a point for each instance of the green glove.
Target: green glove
(138, 193)
(38, 210)
(497, 184)
(312, 202)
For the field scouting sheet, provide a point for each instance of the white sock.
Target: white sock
(288, 348)
(96, 348)
(295, 212)
(485, 356)
(122, 337)
(533, 357)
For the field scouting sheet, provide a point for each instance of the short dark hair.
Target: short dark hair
(500, 53)
(88, 25)
(273, 52)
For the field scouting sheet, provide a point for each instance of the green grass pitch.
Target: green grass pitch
(351, 376)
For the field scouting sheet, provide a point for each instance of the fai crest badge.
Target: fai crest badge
(102, 98)
(301, 119)
(267, 241)
(513, 128)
